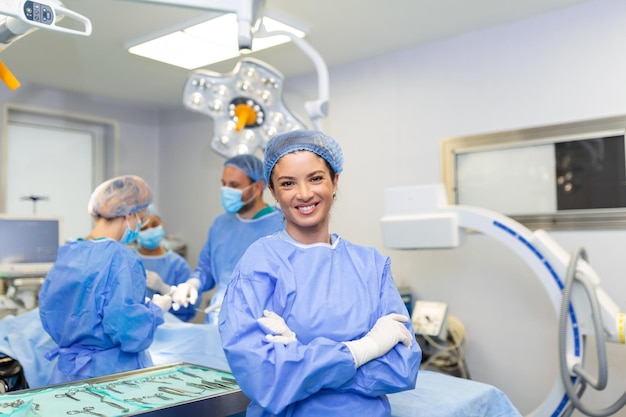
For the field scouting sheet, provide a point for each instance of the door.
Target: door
(52, 164)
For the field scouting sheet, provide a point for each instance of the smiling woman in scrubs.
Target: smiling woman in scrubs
(311, 324)
(92, 302)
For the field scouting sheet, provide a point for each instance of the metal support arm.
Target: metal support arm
(419, 217)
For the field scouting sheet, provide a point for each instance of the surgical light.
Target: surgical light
(246, 106)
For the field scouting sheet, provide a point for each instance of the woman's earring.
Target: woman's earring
(334, 194)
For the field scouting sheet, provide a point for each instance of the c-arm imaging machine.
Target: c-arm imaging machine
(419, 217)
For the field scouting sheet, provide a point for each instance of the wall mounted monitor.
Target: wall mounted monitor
(28, 245)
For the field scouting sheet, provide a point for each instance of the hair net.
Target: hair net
(250, 164)
(119, 196)
(302, 140)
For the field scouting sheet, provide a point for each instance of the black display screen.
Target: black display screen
(590, 173)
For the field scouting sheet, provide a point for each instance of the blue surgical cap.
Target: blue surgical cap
(249, 164)
(119, 196)
(302, 140)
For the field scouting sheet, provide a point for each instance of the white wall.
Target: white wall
(190, 175)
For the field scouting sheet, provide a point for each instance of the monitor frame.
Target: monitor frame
(451, 149)
(15, 270)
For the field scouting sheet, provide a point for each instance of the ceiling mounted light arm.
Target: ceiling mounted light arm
(318, 108)
(19, 18)
(249, 14)
(24, 15)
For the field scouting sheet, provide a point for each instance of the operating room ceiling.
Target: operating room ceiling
(340, 30)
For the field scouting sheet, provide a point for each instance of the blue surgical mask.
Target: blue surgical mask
(130, 235)
(231, 199)
(151, 238)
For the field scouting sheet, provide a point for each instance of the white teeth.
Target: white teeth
(307, 208)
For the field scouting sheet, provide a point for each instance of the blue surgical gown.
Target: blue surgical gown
(327, 294)
(173, 270)
(228, 238)
(92, 304)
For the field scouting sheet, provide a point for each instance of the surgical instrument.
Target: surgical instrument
(176, 391)
(216, 384)
(182, 371)
(69, 394)
(201, 386)
(111, 387)
(132, 384)
(137, 400)
(103, 399)
(85, 410)
(156, 380)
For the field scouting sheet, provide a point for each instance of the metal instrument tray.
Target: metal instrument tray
(173, 390)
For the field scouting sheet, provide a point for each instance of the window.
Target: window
(566, 176)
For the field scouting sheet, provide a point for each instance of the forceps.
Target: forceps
(104, 400)
(85, 410)
(69, 394)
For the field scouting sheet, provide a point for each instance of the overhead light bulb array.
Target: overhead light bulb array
(246, 106)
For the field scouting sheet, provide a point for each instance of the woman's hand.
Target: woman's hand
(388, 331)
(277, 329)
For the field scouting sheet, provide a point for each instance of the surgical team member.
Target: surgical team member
(311, 324)
(164, 268)
(92, 302)
(247, 218)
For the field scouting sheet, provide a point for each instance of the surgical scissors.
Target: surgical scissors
(85, 410)
(69, 394)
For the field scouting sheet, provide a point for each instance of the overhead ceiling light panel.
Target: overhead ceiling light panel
(220, 31)
(206, 43)
(246, 106)
(183, 50)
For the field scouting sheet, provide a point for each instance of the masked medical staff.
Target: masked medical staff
(92, 302)
(164, 268)
(311, 324)
(247, 218)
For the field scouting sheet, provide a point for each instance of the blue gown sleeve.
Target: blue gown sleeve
(397, 369)
(180, 270)
(203, 267)
(123, 297)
